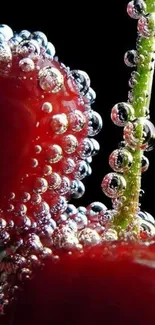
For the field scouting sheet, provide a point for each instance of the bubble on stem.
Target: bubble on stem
(146, 25)
(136, 8)
(113, 185)
(120, 160)
(144, 164)
(130, 58)
(121, 113)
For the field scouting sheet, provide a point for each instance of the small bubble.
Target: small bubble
(54, 153)
(144, 164)
(77, 120)
(88, 237)
(50, 50)
(50, 79)
(77, 189)
(42, 211)
(120, 160)
(25, 197)
(81, 169)
(85, 148)
(25, 34)
(47, 107)
(3, 224)
(28, 47)
(36, 198)
(68, 165)
(136, 8)
(34, 162)
(130, 58)
(54, 181)
(40, 38)
(64, 237)
(20, 209)
(47, 170)
(81, 220)
(40, 185)
(110, 235)
(26, 65)
(95, 210)
(6, 31)
(82, 80)
(64, 186)
(146, 25)
(121, 113)
(58, 205)
(90, 96)
(106, 216)
(94, 123)
(38, 149)
(113, 185)
(5, 53)
(69, 143)
(59, 123)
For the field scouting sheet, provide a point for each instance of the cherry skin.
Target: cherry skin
(106, 284)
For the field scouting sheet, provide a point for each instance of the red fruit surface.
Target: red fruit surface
(109, 284)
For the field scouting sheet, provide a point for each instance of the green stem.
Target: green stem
(141, 101)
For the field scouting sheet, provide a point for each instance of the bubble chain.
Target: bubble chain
(123, 185)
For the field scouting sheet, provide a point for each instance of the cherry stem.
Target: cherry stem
(142, 89)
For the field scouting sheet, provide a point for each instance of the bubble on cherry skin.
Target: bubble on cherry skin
(69, 143)
(85, 148)
(135, 10)
(58, 205)
(40, 38)
(54, 181)
(47, 107)
(59, 123)
(71, 210)
(25, 197)
(95, 123)
(42, 211)
(28, 47)
(3, 224)
(77, 120)
(54, 153)
(64, 186)
(147, 227)
(146, 216)
(144, 164)
(82, 209)
(50, 79)
(26, 65)
(25, 34)
(89, 237)
(110, 235)
(50, 50)
(47, 170)
(82, 80)
(113, 185)
(5, 53)
(95, 210)
(68, 165)
(20, 209)
(90, 96)
(120, 160)
(106, 216)
(146, 25)
(40, 185)
(36, 198)
(121, 113)
(6, 31)
(132, 134)
(64, 237)
(81, 170)
(130, 58)
(81, 220)
(4, 237)
(77, 189)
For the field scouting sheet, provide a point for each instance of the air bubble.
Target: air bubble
(59, 123)
(38, 149)
(136, 8)
(20, 209)
(77, 120)
(94, 123)
(81, 220)
(34, 162)
(130, 58)
(40, 38)
(26, 65)
(120, 160)
(140, 134)
(121, 113)
(5, 53)
(113, 185)
(28, 47)
(25, 197)
(82, 209)
(106, 216)
(95, 210)
(68, 165)
(47, 107)
(54, 153)
(40, 185)
(110, 235)
(50, 50)
(90, 96)
(81, 169)
(54, 181)
(3, 224)
(85, 148)
(6, 31)
(64, 237)
(144, 164)
(50, 79)
(146, 216)
(64, 186)
(58, 205)
(146, 25)
(71, 210)
(25, 34)
(42, 211)
(89, 237)
(47, 170)
(4, 237)
(69, 143)
(77, 189)
(82, 80)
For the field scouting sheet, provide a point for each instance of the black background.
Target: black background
(92, 37)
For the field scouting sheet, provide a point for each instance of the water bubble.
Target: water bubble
(6, 31)
(121, 113)
(28, 47)
(25, 197)
(64, 186)
(121, 145)
(120, 160)
(23, 224)
(139, 134)
(54, 181)
(81, 220)
(147, 227)
(40, 185)
(130, 58)
(58, 205)
(82, 80)
(71, 210)
(33, 243)
(68, 165)
(96, 147)
(88, 237)
(40, 38)
(90, 96)
(110, 235)
(50, 50)
(85, 148)
(20, 209)
(25, 34)
(34, 162)
(50, 79)
(47, 107)
(54, 153)
(95, 210)
(42, 211)
(146, 25)
(69, 143)
(64, 237)
(5, 53)
(4, 237)
(106, 216)
(36, 198)
(81, 169)
(77, 189)
(59, 123)
(94, 123)
(136, 8)
(82, 209)
(113, 185)
(144, 164)
(146, 216)
(26, 65)
(47, 170)
(77, 120)
(2, 224)
(38, 149)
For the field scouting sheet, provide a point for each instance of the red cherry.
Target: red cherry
(106, 284)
